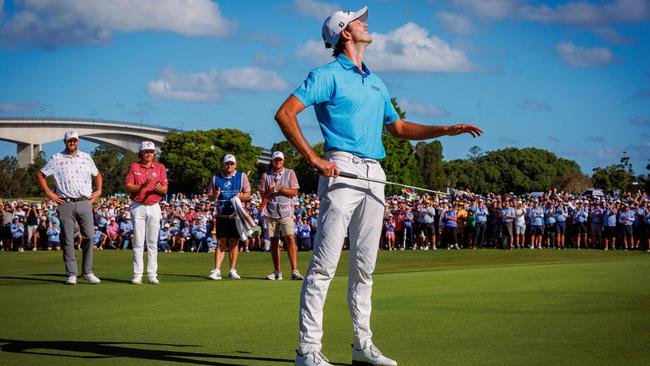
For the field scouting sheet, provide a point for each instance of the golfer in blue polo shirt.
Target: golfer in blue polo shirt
(353, 107)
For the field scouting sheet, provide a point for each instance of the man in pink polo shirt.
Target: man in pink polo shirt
(146, 181)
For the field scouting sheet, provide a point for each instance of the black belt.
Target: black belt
(78, 199)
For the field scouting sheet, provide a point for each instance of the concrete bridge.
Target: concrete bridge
(29, 134)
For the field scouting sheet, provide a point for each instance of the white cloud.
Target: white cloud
(210, 86)
(586, 13)
(407, 48)
(535, 106)
(455, 23)
(19, 107)
(315, 52)
(584, 57)
(317, 10)
(53, 23)
(410, 48)
(421, 109)
(252, 79)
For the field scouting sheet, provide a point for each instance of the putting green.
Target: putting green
(463, 307)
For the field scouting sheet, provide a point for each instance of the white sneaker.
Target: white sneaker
(92, 279)
(21, 249)
(154, 280)
(296, 276)
(370, 356)
(312, 359)
(137, 280)
(233, 274)
(215, 274)
(72, 280)
(274, 276)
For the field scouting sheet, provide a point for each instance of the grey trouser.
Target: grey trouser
(82, 212)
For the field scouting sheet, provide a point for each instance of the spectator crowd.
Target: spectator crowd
(411, 221)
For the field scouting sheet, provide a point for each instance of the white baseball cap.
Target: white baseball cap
(147, 145)
(229, 158)
(277, 154)
(72, 134)
(335, 23)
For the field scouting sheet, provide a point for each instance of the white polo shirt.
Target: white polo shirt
(72, 174)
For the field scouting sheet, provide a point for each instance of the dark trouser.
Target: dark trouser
(481, 228)
(83, 214)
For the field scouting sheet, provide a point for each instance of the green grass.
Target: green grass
(429, 308)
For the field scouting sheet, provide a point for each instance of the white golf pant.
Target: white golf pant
(353, 206)
(146, 227)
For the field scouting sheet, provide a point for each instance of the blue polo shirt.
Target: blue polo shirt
(351, 106)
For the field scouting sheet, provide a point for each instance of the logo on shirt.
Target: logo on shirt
(227, 184)
(375, 87)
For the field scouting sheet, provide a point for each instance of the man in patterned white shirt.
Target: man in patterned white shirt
(73, 171)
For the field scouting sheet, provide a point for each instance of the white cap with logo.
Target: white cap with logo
(277, 154)
(72, 134)
(335, 23)
(147, 145)
(229, 158)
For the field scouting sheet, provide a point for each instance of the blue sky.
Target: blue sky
(572, 77)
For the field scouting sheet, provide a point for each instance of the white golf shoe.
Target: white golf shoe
(296, 276)
(215, 274)
(92, 279)
(274, 276)
(72, 280)
(233, 275)
(154, 280)
(370, 356)
(137, 280)
(312, 359)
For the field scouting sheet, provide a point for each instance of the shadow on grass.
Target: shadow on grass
(205, 277)
(102, 350)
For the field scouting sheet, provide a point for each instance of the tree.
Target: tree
(428, 159)
(475, 152)
(616, 176)
(113, 163)
(572, 182)
(193, 157)
(512, 169)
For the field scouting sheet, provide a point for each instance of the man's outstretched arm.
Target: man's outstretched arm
(413, 131)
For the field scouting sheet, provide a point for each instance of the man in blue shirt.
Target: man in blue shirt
(611, 214)
(561, 214)
(507, 217)
(626, 219)
(580, 215)
(597, 214)
(17, 232)
(353, 107)
(481, 214)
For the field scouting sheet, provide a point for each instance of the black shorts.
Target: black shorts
(596, 230)
(536, 230)
(507, 229)
(429, 229)
(226, 228)
(626, 231)
(582, 227)
(550, 228)
(451, 235)
(610, 232)
(561, 227)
